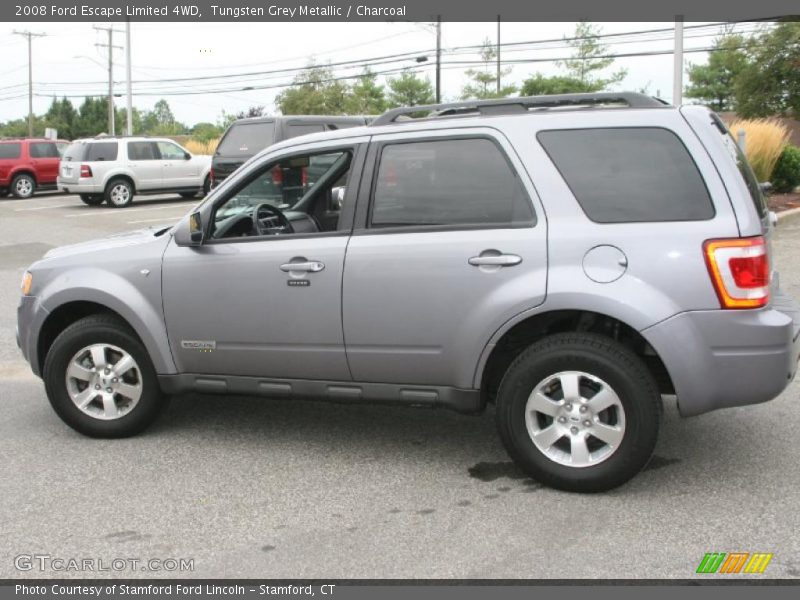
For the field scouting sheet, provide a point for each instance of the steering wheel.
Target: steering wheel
(283, 222)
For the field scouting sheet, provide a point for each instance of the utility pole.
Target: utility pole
(498, 56)
(30, 37)
(438, 59)
(111, 46)
(129, 112)
(677, 73)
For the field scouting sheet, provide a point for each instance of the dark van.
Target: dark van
(246, 137)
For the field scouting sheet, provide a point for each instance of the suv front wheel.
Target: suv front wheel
(100, 380)
(579, 412)
(119, 193)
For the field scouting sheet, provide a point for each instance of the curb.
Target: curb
(788, 213)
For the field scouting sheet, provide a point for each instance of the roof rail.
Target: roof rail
(504, 106)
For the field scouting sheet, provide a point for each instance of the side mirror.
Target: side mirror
(337, 197)
(187, 156)
(190, 231)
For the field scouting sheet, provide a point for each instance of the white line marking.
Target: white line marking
(124, 211)
(44, 207)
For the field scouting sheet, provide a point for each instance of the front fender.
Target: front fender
(139, 305)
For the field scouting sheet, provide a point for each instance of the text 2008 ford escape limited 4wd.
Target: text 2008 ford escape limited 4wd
(569, 266)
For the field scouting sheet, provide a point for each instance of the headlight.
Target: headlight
(27, 282)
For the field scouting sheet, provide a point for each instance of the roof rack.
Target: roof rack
(505, 106)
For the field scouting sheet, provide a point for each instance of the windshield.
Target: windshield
(246, 139)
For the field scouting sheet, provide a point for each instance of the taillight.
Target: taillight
(86, 171)
(303, 176)
(211, 177)
(277, 175)
(739, 269)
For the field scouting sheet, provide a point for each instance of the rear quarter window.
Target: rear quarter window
(106, 151)
(633, 174)
(10, 150)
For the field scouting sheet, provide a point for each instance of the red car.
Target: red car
(27, 165)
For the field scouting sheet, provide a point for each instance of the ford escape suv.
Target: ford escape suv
(569, 259)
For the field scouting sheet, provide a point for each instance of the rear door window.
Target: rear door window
(106, 151)
(142, 151)
(298, 129)
(10, 150)
(448, 183)
(626, 175)
(44, 150)
(247, 139)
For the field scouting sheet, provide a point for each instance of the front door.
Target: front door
(449, 247)
(144, 160)
(178, 169)
(262, 296)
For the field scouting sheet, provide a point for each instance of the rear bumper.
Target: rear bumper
(79, 187)
(724, 358)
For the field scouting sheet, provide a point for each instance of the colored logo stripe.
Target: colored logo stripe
(734, 562)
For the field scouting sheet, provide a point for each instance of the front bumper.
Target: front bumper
(724, 358)
(78, 187)
(30, 318)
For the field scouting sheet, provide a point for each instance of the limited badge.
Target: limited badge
(298, 283)
(201, 345)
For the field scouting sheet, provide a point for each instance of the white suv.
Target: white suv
(114, 169)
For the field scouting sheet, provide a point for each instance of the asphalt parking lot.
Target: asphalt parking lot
(267, 488)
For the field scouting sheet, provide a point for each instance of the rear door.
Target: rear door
(45, 159)
(450, 243)
(145, 162)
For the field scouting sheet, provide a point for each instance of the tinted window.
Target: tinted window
(142, 151)
(101, 151)
(448, 182)
(10, 150)
(74, 152)
(295, 130)
(743, 165)
(43, 150)
(246, 139)
(629, 174)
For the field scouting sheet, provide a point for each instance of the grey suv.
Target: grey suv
(568, 259)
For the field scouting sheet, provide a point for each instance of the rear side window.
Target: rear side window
(625, 175)
(101, 151)
(142, 151)
(247, 139)
(465, 182)
(44, 150)
(298, 129)
(11, 150)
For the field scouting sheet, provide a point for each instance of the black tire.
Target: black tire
(101, 329)
(206, 185)
(188, 195)
(92, 199)
(23, 186)
(119, 193)
(600, 357)
(3, 193)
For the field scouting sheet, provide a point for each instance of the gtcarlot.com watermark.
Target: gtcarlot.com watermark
(62, 564)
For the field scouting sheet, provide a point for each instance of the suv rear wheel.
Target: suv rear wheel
(23, 186)
(579, 412)
(100, 380)
(92, 199)
(119, 193)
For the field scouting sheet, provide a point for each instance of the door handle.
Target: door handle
(312, 266)
(501, 260)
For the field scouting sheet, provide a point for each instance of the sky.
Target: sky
(72, 59)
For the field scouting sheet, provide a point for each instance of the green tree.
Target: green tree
(714, 83)
(538, 85)
(316, 91)
(205, 132)
(483, 84)
(366, 96)
(590, 58)
(408, 89)
(61, 116)
(92, 118)
(770, 83)
(161, 120)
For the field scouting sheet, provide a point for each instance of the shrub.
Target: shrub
(786, 176)
(765, 139)
(200, 147)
